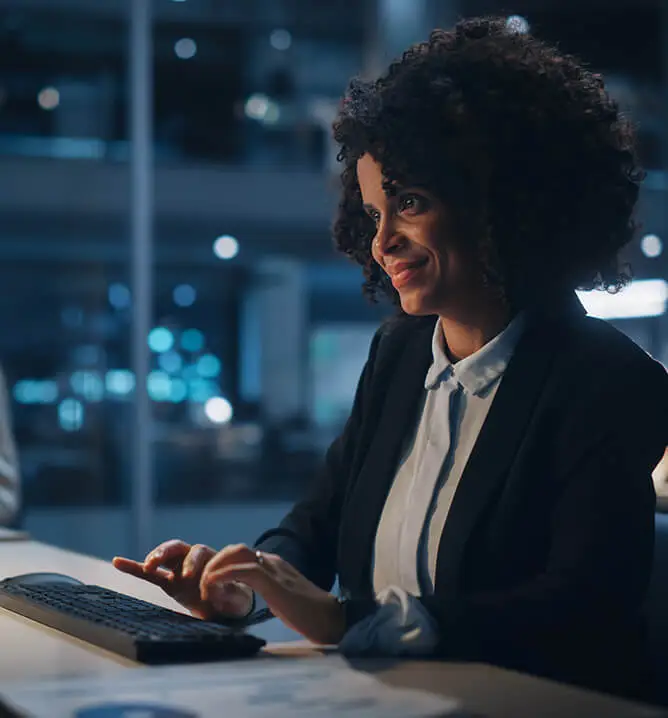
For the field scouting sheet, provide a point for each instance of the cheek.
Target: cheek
(452, 268)
(441, 258)
(374, 253)
(435, 237)
(448, 258)
(450, 272)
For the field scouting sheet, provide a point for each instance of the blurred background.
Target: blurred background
(167, 183)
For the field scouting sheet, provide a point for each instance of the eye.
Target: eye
(412, 203)
(374, 215)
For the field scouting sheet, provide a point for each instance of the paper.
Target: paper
(261, 688)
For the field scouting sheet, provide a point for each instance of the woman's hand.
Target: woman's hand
(177, 568)
(300, 604)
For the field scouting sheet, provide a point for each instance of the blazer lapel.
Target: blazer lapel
(402, 388)
(500, 437)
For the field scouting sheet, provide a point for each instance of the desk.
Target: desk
(36, 651)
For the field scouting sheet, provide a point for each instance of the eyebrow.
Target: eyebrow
(390, 191)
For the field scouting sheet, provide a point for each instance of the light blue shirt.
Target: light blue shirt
(455, 405)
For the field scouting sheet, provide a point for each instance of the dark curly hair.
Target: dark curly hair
(522, 144)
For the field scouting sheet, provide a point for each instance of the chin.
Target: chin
(416, 303)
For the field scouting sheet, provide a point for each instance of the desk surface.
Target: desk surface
(37, 651)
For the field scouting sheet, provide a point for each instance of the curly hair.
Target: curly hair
(521, 143)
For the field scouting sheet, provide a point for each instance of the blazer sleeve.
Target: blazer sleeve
(602, 537)
(307, 537)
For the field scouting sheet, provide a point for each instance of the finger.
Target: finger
(232, 599)
(195, 561)
(273, 562)
(230, 555)
(127, 565)
(159, 576)
(169, 553)
(251, 574)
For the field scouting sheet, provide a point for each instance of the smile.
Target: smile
(406, 274)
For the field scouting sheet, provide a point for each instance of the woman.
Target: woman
(490, 497)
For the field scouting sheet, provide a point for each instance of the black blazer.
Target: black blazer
(546, 554)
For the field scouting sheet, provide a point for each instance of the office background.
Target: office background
(179, 340)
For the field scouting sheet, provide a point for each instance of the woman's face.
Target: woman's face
(413, 243)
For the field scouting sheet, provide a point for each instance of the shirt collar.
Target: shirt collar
(478, 371)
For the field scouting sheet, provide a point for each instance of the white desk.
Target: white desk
(31, 651)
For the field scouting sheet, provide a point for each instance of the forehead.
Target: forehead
(369, 175)
(371, 179)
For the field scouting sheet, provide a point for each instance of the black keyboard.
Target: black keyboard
(133, 628)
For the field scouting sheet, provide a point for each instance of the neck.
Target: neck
(468, 332)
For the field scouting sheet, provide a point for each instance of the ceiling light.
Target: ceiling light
(642, 298)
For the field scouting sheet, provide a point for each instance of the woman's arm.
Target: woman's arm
(307, 537)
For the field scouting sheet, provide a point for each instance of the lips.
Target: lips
(402, 273)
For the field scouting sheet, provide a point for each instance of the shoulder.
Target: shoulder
(595, 348)
(605, 382)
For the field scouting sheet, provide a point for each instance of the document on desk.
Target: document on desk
(264, 688)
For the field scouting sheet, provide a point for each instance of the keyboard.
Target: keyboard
(125, 625)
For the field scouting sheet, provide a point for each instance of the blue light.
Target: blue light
(192, 340)
(171, 362)
(184, 295)
(160, 340)
(159, 386)
(35, 391)
(178, 391)
(226, 246)
(48, 391)
(120, 381)
(190, 372)
(280, 39)
(185, 48)
(201, 390)
(70, 414)
(218, 410)
(119, 296)
(208, 366)
(88, 384)
(48, 98)
(651, 246)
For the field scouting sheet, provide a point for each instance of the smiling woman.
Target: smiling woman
(490, 497)
(416, 246)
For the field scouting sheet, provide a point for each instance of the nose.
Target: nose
(387, 240)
